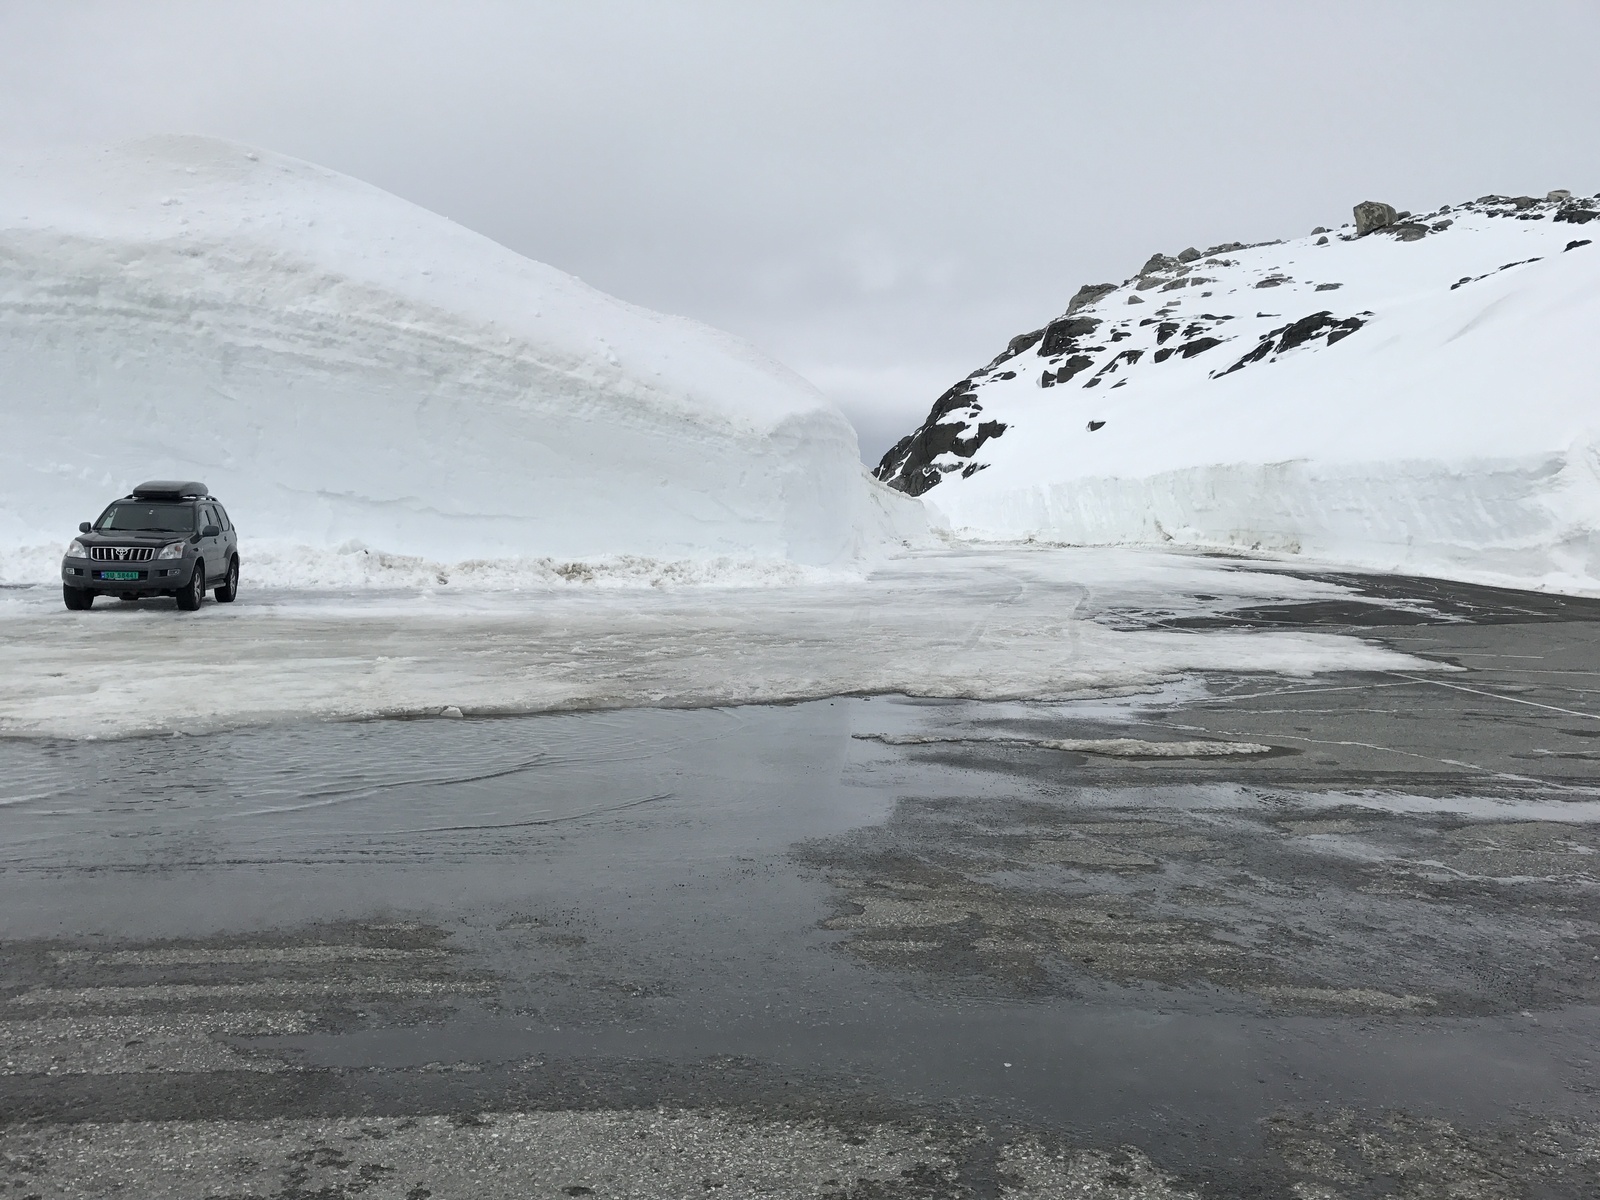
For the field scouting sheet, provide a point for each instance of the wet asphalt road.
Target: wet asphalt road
(861, 947)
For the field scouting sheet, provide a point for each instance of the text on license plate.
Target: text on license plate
(119, 574)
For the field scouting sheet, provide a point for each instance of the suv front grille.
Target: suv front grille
(122, 553)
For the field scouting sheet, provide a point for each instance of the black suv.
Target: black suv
(165, 539)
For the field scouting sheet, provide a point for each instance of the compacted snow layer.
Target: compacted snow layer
(1426, 399)
(986, 623)
(340, 364)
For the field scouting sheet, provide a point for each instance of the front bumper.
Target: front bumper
(155, 578)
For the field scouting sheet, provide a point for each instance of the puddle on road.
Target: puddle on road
(1077, 944)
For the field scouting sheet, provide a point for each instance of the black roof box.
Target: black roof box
(170, 489)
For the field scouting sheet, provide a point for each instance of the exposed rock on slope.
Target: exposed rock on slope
(1421, 391)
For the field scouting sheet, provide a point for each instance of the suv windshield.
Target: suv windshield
(163, 518)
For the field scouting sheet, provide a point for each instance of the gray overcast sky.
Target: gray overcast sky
(879, 194)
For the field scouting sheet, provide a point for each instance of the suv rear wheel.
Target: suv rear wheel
(77, 599)
(228, 589)
(194, 591)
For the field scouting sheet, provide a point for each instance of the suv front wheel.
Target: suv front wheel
(195, 590)
(77, 599)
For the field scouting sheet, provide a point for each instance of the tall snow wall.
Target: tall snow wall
(341, 365)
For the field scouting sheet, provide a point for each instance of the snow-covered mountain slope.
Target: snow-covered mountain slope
(1424, 396)
(339, 364)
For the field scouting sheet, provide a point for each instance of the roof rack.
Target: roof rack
(170, 489)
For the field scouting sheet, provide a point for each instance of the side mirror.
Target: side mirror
(211, 531)
(84, 527)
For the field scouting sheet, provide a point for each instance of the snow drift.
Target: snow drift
(342, 366)
(1424, 396)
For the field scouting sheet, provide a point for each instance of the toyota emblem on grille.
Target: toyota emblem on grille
(121, 552)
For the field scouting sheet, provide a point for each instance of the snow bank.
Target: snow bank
(339, 364)
(1451, 426)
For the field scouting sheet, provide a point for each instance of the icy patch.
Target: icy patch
(987, 624)
(1106, 747)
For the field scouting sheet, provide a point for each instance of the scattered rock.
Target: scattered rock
(1441, 226)
(1189, 255)
(1198, 346)
(1017, 345)
(1579, 242)
(1523, 202)
(1158, 262)
(1075, 365)
(1135, 299)
(1319, 229)
(1061, 334)
(1558, 194)
(1114, 363)
(1296, 334)
(1322, 241)
(1408, 231)
(1094, 425)
(1089, 294)
(1373, 214)
(1329, 287)
(1577, 216)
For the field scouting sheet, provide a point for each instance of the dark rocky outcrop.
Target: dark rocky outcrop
(1374, 214)
(1198, 346)
(1296, 334)
(909, 466)
(1062, 334)
(1075, 365)
(1088, 294)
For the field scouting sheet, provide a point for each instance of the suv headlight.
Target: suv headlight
(76, 550)
(173, 550)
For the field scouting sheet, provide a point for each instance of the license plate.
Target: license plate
(119, 574)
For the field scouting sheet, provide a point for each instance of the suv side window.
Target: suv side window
(227, 525)
(207, 516)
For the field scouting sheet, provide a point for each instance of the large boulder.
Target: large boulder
(1089, 293)
(1373, 214)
